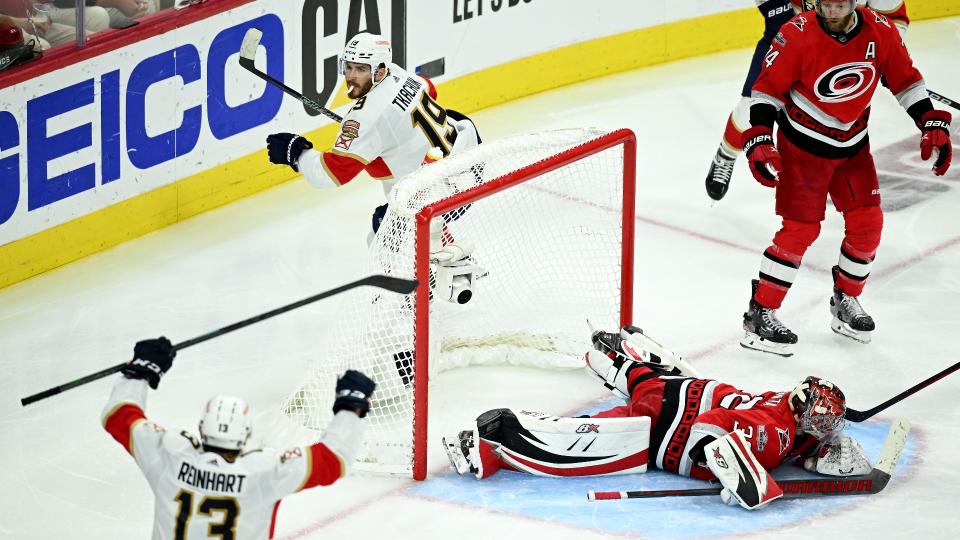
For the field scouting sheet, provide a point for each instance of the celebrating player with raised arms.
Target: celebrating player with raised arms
(216, 487)
(674, 421)
(388, 132)
(817, 83)
(775, 13)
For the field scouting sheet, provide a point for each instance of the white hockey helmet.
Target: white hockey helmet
(225, 423)
(369, 49)
(850, 5)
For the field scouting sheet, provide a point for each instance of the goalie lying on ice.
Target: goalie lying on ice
(674, 421)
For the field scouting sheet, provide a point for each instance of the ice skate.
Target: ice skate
(849, 318)
(460, 448)
(764, 331)
(718, 178)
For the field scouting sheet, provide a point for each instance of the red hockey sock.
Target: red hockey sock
(781, 261)
(859, 248)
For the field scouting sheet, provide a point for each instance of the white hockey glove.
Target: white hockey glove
(839, 456)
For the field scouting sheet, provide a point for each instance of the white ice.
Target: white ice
(63, 477)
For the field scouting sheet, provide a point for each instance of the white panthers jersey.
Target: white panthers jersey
(388, 132)
(200, 494)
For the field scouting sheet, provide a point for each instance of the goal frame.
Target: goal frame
(624, 137)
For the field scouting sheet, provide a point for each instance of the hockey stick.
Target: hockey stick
(859, 416)
(248, 53)
(868, 484)
(945, 100)
(393, 284)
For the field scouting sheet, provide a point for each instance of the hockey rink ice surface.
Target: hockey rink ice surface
(64, 477)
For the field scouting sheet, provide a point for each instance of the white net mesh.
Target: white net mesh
(546, 257)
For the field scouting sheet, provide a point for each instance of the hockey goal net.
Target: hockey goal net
(550, 217)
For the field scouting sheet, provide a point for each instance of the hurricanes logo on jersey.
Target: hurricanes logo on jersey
(845, 82)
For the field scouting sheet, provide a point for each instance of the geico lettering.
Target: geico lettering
(9, 166)
(466, 9)
(97, 100)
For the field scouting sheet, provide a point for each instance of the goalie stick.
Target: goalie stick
(248, 54)
(868, 484)
(393, 284)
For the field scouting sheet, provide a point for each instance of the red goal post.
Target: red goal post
(624, 137)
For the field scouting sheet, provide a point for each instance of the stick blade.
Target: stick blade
(893, 445)
(251, 42)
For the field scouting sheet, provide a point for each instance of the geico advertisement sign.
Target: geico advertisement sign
(131, 121)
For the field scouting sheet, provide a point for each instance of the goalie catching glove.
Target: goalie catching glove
(839, 456)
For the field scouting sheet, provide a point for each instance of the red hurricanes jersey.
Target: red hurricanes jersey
(823, 84)
(686, 414)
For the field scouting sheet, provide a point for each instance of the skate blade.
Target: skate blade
(757, 343)
(455, 455)
(844, 330)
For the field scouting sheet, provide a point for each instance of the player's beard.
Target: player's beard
(839, 25)
(356, 92)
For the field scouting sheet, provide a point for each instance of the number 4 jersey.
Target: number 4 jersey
(388, 133)
(199, 494)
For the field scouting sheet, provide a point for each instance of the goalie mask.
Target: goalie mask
(819, 407)
(369, 49)
(225, 423)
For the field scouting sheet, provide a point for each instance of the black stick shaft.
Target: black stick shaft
(859, 416)
(943, 99)
(247, 64)
(397, 285)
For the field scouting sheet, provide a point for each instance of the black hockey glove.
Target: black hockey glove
(151, 359)
(353, 393)
(285, 148)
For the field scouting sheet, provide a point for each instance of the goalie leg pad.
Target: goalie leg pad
(547, 445)
(744, 479)
(612, 372)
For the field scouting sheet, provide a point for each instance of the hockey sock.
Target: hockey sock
(781, 261)
(859, 248)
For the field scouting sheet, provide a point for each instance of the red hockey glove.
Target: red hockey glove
(935, 127)
(764, 159)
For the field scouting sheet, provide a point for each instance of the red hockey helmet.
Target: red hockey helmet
(819, 407)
